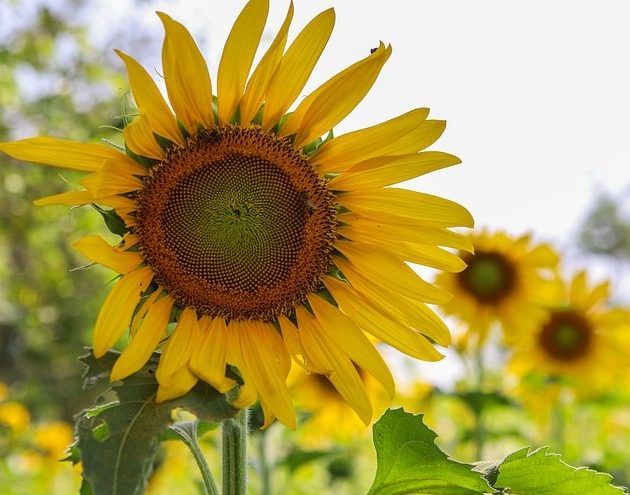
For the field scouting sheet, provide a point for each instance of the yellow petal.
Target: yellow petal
(598, 294)
(139, 138)
(296, 66)
(343, 332)
(181, 383)
(150, 101)
(354, 147)
(121, 204)
(379, 324)
(60, 153)
(110, 181)
(387, 170)
(186, 75)
(409, 311)
(209, 357)
(391, 273)
(178, 349)
(266, 357)
(335, 99)
(316, 361)
(257, 85)
(294, 344)
(396, 205)
(118, 308)
(344, 375)
(238, 56)
(96, 249)
(142, 311)
(247, 392)
(68, 198)
(246, 396)
(151, 331)
(421, 254)
(420, 138)
(542, 256)
(364, 230)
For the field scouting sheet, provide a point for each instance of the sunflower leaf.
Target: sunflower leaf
(118, 443)
(543, 473)
(408, 461)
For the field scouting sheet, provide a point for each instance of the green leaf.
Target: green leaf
(543, 473)
(114, 223)
(118, 441)
(409, 462)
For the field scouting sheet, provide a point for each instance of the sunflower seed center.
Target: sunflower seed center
(237, 223)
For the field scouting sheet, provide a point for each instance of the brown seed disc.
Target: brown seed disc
(489, 277)
(237, 223)
(566, 336)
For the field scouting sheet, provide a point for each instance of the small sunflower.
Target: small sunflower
(506, 281)
(263, 236)
(582, 343)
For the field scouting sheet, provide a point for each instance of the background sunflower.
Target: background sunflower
(506, 282)
(583, 343)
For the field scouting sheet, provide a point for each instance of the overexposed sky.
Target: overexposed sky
(536, 93)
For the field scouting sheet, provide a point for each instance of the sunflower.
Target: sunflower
(260, 234)
(582, 343)
(506, 281)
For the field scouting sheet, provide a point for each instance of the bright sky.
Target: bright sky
(535, 92)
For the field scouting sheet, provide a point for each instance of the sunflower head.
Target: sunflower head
(566, 335)
(505, 282)
(575, 338)
(251, 235)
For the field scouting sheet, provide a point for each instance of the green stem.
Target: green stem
(480, 427)
(234, 439)
(558, 424)
(187, 433)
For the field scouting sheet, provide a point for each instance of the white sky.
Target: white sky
(536, 93)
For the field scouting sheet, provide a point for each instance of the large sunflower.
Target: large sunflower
(505, 282)
(582, 343)
(262, 240)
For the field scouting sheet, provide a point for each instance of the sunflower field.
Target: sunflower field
(214, 282)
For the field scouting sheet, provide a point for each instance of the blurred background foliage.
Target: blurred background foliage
(54, 82)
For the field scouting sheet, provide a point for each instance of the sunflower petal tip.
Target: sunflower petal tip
(165, 18)
(98, 350)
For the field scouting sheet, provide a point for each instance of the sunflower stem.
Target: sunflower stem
(480, 427)
(558, 423)
(187, 433)
(234, 440)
